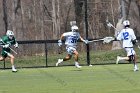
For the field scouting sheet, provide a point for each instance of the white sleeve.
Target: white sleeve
(120, 37)
(65, 34)
(133, 35)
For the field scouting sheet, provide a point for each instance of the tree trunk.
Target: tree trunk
(14, 16)
(22, 33)
(119, 26)
(5, 15)
(56, 18)
(35, 19)
(42, 20)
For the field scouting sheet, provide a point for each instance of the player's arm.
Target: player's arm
(15, 43)
(134, 40)
(60, 40)
(4, 42)
(119, 36)
(85, 41)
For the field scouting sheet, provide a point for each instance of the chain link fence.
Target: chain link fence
(45, 53)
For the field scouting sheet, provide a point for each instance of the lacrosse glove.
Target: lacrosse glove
(134, 42)
(6, 46)
(86, 41)
(16, 45)
(59, 42)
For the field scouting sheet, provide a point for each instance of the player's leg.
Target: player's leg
(64, 59)
(3, 55)
(119, 58)
(1, 58)
(76, 54)
(69, 55)
(132, 57)
(12, 62)
(134, 60)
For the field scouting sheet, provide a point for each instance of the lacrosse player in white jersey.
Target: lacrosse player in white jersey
(71, 39)
(129, 39)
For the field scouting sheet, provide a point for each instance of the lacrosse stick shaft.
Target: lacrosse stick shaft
(95, 40)
(13, 50)
(115, 28)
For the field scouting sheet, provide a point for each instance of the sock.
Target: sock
(135, 66)
(76, 63)
(13, 67)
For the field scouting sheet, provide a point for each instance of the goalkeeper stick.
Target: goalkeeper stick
(8, 47)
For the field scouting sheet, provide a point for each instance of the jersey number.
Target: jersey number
(125, 35)
(73, 40)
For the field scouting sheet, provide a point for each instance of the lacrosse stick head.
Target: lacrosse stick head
(72, 23)
(109, 24)
(108, 39)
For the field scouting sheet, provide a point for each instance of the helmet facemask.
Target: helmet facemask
(74, 29)
(10, 34)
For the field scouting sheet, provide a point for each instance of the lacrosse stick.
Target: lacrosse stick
(105, 40)
(110, 25)
(8, 47)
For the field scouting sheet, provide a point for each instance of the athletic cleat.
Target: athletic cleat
(118, 59)
(136, 69)
(90, 65)
(58, 62)
(77, 66)
(14, 70)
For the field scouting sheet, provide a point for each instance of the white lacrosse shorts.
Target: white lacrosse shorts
(70, 50)
(130, 51)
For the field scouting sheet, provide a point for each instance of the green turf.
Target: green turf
(68, 79)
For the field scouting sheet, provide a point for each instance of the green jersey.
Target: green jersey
(7, 40)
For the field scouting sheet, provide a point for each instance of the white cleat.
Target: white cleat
(14, 70)
(77, 66)
(58, 62)
(90, 65)
(118, 59)
(136, 69)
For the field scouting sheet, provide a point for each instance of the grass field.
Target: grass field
(68, 79)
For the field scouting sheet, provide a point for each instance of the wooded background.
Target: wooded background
(48, 19)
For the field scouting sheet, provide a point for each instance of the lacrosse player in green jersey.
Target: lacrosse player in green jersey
(6, 41)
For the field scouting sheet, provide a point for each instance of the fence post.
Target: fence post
(86, 28)
(46, 54)
(4, 64)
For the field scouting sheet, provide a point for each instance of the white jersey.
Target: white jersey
(126, 35)
(71, 38)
